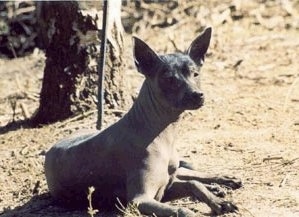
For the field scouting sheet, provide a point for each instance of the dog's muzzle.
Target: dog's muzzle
(193, 100)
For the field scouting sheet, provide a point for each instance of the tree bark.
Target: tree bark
(69, 34)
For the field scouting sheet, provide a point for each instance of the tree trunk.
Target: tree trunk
(69, 33)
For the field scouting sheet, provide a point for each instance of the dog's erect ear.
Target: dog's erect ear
(146, 60)
(199, 46)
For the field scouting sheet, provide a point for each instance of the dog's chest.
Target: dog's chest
(166, 163)
(166, 178)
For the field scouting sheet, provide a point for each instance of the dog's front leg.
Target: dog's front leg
(181, 188)
(188, 174)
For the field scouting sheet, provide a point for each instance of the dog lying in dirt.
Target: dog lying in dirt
(135, 159)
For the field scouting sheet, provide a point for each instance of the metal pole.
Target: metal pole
(101, 66)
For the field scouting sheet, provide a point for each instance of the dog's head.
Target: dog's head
(174, 77)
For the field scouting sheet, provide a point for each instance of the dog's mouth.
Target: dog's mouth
(192, 101)
(195, 105)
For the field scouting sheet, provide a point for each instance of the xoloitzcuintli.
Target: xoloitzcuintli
(135, 159)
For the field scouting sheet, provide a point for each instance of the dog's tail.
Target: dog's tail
(186, 165)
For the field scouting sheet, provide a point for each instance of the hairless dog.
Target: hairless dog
(135, 159)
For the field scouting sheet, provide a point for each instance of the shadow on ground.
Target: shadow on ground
(44, 205)
(16, 125)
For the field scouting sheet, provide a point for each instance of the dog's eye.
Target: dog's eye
(194, 73)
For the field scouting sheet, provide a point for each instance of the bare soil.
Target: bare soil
(249, 126)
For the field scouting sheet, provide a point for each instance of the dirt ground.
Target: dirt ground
(249, 126)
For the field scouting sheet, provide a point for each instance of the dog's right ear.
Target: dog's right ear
(146, 60)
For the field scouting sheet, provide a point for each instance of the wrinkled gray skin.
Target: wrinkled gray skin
(135, 158)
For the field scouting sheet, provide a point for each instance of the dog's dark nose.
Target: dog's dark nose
(197, 96)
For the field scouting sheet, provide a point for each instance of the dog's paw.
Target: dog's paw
(221, 206)
(216, 190)
(230, 182)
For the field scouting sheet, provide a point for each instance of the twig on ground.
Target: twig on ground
(33, 96)
(25, 111)
(174, 45)
(283, 181)
(272, 158)
(13, 104)
(91, 211)
(115, 111)
(85, 114)
(81, 126)
(290, 161)
(130, 211)
(19, 11)
(286, 100)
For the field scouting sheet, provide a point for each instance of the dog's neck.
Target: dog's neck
(148, 115)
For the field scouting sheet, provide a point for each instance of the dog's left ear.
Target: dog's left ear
(199, 46)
